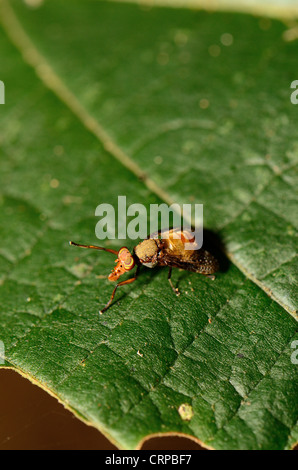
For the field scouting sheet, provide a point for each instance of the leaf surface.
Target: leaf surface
(162, 106)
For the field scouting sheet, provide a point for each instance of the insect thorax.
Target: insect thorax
(147, 252)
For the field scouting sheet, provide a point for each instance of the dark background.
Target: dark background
(31, 419)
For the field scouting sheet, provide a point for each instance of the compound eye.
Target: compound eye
(126, 258)
(129, 263)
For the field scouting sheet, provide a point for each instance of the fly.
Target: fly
(164, 248)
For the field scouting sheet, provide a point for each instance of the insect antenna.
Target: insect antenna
(94, 247)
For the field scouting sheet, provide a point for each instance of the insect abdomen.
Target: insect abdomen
(207, 264)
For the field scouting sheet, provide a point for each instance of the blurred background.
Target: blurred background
(32, 419)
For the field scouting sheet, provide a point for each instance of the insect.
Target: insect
(161, 248)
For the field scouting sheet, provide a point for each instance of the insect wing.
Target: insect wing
(174, 254)
(201, 261)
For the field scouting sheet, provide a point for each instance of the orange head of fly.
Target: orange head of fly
(125, 262)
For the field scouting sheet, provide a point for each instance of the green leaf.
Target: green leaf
(160, 105)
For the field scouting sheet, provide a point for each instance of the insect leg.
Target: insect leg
(175, 290)
(123, 283)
